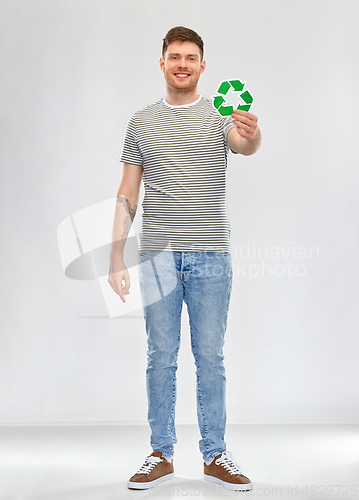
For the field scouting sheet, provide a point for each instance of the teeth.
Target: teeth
(181, 74)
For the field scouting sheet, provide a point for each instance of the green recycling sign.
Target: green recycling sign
(236, 87)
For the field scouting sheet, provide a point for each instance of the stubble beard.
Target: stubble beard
(181, 90)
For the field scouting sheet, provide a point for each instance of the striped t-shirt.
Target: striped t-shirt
(183, 150)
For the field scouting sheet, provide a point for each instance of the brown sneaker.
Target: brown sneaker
(155, 470)
(224, 470)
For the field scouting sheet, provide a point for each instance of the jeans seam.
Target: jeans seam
(200, 395)
(172, 417)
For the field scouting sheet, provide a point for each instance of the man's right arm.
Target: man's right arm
(126, 205)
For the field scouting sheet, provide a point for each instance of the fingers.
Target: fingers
(126, 287)
(242, 133)
(245, 114)
(116, 282)
(245, 122)
(121, 292)
(242, 126)
(123, 289)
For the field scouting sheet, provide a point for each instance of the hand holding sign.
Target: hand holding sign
(245, 122)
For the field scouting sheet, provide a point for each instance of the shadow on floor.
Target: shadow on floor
(175, 488)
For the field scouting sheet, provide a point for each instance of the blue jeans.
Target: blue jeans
(204, 281)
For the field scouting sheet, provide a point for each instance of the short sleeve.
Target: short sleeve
(130, 150)
(227, 126)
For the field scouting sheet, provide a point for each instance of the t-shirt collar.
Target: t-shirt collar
(181, 105)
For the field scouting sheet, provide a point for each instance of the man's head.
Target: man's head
(182, 34)
(182, 60)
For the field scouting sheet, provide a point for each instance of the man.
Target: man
(179, 145)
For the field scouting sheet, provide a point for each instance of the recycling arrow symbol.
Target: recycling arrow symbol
(236, 86)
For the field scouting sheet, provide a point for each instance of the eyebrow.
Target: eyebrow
(177, 54)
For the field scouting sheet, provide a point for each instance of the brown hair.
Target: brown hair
(182, 34)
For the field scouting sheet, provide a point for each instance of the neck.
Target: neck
(176, 98)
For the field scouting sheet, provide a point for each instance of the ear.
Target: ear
(162, 64)
(203, 67)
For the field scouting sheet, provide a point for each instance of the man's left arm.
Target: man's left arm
(245, 138)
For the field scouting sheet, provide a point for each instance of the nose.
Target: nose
(182, 63)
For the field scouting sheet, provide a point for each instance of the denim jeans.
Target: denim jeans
(204, 281)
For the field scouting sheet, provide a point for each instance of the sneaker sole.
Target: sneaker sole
(229, 486)
(150, 484)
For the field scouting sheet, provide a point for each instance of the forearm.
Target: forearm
(125, 212)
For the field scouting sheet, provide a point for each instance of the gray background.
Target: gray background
(72, 73)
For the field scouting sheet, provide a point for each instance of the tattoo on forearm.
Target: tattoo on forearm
(131, 211)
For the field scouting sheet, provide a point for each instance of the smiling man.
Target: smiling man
(182, 70)
(179, 146)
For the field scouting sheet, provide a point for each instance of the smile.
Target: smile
(182, 75)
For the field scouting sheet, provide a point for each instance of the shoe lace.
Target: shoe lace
(149, 464)
(227, 461)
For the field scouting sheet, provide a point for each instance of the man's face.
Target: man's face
(182, 66)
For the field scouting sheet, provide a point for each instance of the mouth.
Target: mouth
(182, 76)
